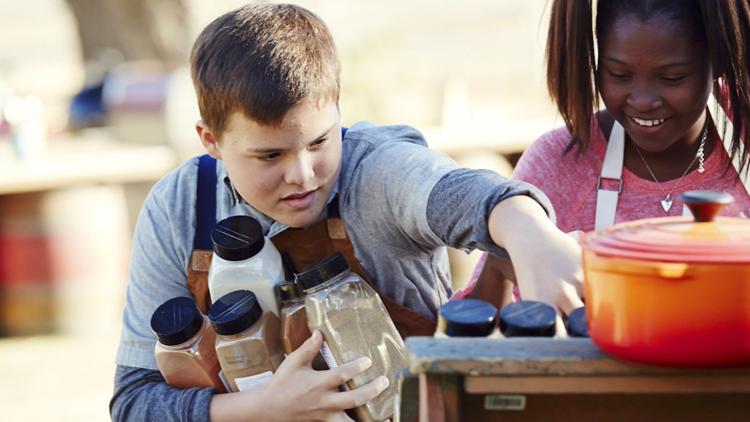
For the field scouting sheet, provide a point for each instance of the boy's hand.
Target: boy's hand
(298, 392)
(547, 261)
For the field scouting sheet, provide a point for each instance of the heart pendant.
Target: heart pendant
(666, 203)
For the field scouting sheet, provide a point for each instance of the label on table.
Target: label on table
(504, 402)
(247, 383)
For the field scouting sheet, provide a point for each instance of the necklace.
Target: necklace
(666, 203)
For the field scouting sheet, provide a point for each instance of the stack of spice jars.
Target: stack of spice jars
(241, 343)
(236, 348)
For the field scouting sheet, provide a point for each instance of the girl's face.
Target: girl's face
(655, 80)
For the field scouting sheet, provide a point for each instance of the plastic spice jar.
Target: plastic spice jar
(577, 324)
(294, 330)
(185, 352)
(528, 318)
(467, 318)
(354, 323)
(247, 340)
(244, 259)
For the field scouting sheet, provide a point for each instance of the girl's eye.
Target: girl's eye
(618, 75)
(673, 79)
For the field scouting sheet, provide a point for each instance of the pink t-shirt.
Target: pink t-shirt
(569, 180)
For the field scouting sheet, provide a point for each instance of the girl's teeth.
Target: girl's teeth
(648, 123)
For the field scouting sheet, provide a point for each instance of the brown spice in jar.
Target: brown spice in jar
(354, 323)
(247, 342)
(185, 353)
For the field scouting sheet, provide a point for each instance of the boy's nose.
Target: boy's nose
(300, 171)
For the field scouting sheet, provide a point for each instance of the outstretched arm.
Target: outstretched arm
(546, 260)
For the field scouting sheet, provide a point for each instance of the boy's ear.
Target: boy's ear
(209, 141)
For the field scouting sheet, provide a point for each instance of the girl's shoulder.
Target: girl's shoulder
(554, 149)
(555, 142)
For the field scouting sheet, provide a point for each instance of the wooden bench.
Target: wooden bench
(530, 379)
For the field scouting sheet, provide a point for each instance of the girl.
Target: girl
(658, 135)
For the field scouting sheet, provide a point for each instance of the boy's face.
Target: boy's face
(285, 171)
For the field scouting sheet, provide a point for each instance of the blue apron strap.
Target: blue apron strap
(333, 207)
(205, 203)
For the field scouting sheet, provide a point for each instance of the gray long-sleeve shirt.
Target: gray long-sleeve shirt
(401, 203)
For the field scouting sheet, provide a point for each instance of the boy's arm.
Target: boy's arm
(143, 395)
(296, 392)
(546, 260)
(417, 199)
(508, 218)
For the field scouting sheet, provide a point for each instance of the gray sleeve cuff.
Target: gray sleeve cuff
(143, 395)
(460, 205)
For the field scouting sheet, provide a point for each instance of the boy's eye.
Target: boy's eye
(318, 143)
(270, 156)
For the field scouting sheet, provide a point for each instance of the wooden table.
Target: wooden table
(466, 379)
(91, 159)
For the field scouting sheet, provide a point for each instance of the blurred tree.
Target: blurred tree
(134, 29)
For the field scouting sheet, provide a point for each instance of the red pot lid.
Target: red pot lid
(703, 239)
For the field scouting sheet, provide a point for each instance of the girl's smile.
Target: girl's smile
(655, 79)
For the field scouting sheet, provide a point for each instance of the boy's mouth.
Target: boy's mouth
(300, 200)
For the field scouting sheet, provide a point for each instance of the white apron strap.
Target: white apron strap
(606, 200)
(726, 130)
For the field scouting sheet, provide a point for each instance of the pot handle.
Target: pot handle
(705, 204)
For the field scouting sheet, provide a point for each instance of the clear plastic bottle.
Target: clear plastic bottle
(294, 330)
(354, 323)
(244, 259)
(247, 340)
(185, 353)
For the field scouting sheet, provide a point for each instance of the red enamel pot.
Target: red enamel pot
(672, 291)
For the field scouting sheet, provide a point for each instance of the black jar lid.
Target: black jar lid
(176, 321)
(323, 271)
(287, 291)
(234, 312)
(468, 318)
(577, 323)
(237, 238)
(528, 318)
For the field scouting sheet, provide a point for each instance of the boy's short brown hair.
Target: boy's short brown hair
(262, 59)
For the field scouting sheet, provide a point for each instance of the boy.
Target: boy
(267, 81)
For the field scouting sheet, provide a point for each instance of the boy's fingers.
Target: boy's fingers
(359, 396)
(568, 299)
(307, 351)
(560, 331)
(339, 417)
(345, 372)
